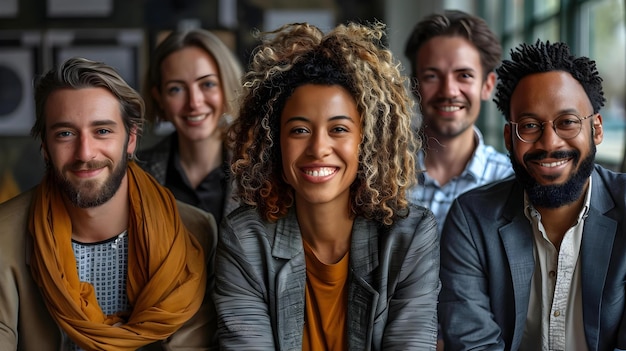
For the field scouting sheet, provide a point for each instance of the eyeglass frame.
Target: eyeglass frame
(516, 124)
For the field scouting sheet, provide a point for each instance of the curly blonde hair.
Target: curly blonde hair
(352, 56)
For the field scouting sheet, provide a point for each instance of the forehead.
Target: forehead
(320, 100)
(548, 93)
(81, 106)
(188, 59)
(451, 51)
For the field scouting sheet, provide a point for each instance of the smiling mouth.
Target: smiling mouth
(553, 164)
(195, 118)
(449, 108)
(320, 172)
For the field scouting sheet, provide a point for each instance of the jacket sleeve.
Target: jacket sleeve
(465, 314)
(240, 295)
(412, 319)
(8, 308)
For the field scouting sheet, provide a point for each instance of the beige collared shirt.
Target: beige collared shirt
(554, 320)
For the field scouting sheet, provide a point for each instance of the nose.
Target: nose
(449, 87)
(85, 148)
(196, 98)
(319, 145)
(548, 136)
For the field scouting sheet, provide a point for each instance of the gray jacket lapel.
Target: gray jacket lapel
(362, 297)
(519, 247)
(596, 249)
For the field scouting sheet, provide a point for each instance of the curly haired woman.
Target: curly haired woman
(328, 254)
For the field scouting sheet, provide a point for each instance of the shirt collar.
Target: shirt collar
(475, 167)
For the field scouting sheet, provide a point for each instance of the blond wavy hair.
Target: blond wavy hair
(354, 57)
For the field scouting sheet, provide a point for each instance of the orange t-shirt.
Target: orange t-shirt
(326, 297)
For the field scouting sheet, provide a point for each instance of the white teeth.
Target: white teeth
(449, 108)
(195, 118)
(553, 164)
(322, 172)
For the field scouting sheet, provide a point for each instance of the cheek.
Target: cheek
(172, 105)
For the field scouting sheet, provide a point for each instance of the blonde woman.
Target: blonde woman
(193, 82)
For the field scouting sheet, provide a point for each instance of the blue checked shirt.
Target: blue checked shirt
(487, 165)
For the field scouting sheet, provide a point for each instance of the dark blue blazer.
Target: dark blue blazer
(487, 264)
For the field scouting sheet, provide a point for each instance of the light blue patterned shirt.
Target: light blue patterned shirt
(485, 166)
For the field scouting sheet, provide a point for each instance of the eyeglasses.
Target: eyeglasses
(566, 126)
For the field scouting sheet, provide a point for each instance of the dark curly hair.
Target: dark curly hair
(455, 23)
(542, 57)
(351, 56)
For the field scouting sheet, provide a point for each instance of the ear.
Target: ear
(44, 152)
(132, 140)
(156, 95)
(598, 131)
(488, 85)
(507, 137)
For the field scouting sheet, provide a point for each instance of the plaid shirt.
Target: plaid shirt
(487, 165)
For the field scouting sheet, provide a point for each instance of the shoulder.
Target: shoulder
(15, 211)
(610, 178)
(243, 223)
(490, 195)
(418, 226)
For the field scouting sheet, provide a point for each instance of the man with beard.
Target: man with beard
(99, 256)
(538, 262)
(453, 56)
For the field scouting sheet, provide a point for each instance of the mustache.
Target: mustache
(541, 154)
(90, 165)
(450, 101)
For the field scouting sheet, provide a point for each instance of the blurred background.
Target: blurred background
(38, 34)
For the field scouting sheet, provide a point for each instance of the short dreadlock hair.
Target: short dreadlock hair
(546, 57)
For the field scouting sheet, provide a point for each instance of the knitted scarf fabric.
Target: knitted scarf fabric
(166, 269)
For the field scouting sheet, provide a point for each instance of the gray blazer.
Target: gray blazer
(487, 264)
(393, 283)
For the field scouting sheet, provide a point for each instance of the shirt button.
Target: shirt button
(557, 313)
(552, 274)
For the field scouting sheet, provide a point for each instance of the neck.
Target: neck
(557, 221)
(446, 158)
(199, 158)
(90, 225)
(327, 230)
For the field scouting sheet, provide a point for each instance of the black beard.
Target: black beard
(555, 196)
(77, 196)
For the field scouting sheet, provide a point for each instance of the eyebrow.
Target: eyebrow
(98, 123)
(304, 119)
(197, 79)
(566, 111)
(460, 69)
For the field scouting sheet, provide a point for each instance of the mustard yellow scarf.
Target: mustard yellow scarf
(166, 270)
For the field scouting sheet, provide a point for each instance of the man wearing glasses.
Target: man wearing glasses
(539, 262)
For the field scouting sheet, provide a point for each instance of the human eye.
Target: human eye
(299, 130)
(466, 75)
(103, 131)
(339, 129)
(529, 126)
(63, 134)
(567, 122)
(209, 84)
(427, 77)
(174, 89)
